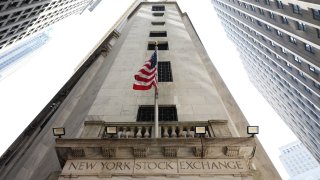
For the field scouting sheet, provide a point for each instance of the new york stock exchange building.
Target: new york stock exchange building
(111, 131)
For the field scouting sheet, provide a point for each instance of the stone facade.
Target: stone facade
(103, 98)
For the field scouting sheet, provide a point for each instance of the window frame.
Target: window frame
(164, 71)
(158, 8)
(316, 14)
(296, 9)
(140, 117)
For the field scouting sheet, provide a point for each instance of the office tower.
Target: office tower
(21, 18)
(109, 128)
(94, 5)
(299, 162)
(279, 46)
(10, 59)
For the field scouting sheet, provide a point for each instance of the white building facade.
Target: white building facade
(299, 162)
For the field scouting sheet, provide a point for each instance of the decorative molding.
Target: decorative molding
(140, 152)
(171, 151)
(200, 151)
(232, 150)
(197, 151)
(109, 152)
(77, 152)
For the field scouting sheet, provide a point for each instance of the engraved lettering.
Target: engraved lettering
(233, 166)
(224, 164)
(126, 165)
(168, 165)
(119, 164)
(207, 165)
(113, 165)
(238, 163)
(91, 165)
(213, 165)
(73, 165)
(162, 167)
(81, 166)
(154, 165)
(137, 166)
(189, 165)
(195, 166)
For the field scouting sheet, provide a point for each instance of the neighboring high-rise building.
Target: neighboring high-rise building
(109, 127)
(21, 18)
(279, 43)
(94, 5)
(299, 163)
(10, 58)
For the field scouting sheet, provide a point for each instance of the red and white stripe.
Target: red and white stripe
(146, 77)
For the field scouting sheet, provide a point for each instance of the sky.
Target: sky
(25, 92)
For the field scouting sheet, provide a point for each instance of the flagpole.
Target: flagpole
(156, 123)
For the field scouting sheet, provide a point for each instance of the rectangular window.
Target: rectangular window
(157, 14)
(297, 59)
(296, 9)
(292, 40)
(316, 14)
(164, 71)
(166, 113)
(311, 68)
(284, 51)
(279, 33)
(161, 46)
(271, 15)
(261, 11)
(301, 26)
(259, 23)
(159, 23)
(279, 4)
(158, 8)
(268, 28)
(158, 34)
(308, 48)
(267, 2)
(284, 20)
(318, 33)
(252, 8)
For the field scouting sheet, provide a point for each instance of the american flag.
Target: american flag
(147, 75)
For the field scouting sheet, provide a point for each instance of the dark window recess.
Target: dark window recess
(284, 20)
(158, 34)
(292, 40)
(279, 4)
(164, 71)
(259, 23)
(12, 5)
(16, 14)
(161, 23)
(301, 26)
(309, 48)
(27, 10)
(161, 46)
(158, 14)
(4, 17)
(318, 33)
(296, 9)
(158, 8)
(316, 14)
(261, 11)
(166, 113)
(267, 2)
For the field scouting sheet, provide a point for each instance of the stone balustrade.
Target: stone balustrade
(145, 130)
